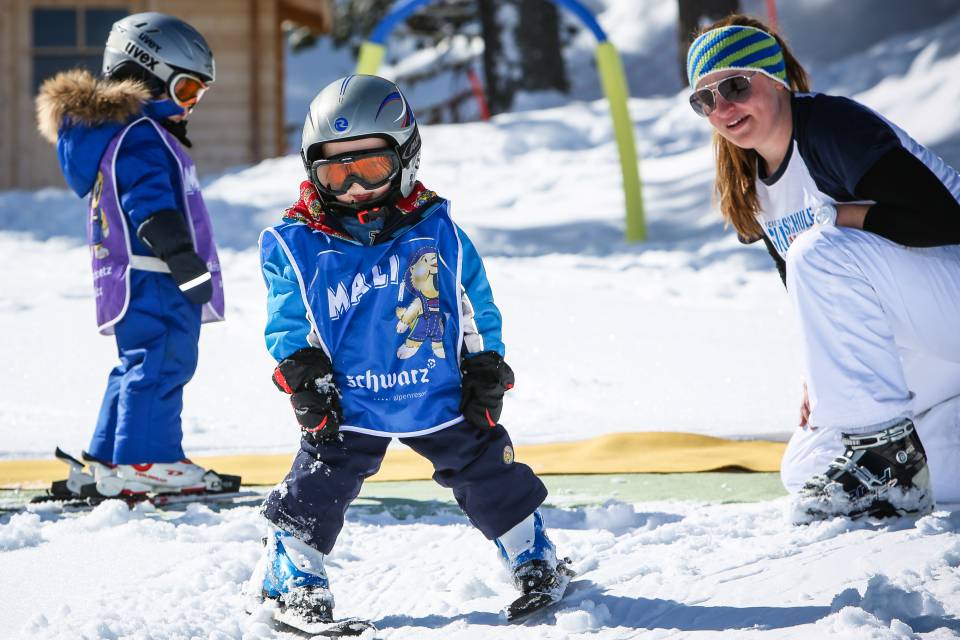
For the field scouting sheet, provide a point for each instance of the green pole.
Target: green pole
(614, 84)
(369, 59)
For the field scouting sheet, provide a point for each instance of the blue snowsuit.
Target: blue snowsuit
(157, 338)
(494, 491)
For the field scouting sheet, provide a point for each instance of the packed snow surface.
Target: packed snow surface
(657, 570)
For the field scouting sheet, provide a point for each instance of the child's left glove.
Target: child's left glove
(167, 235)
(486, 377)
(307, 376)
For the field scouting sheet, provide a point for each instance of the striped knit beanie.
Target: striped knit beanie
(736, 47)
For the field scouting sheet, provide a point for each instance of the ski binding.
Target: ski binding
(81, 488)
(541, 598)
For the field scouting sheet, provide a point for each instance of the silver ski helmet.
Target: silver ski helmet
(162, 45)
(362, 106)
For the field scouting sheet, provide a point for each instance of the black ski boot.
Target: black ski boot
(881, 474)
(536, 575)
(542, 584)
(307, 606)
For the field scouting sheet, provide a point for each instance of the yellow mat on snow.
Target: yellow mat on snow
(648, 452)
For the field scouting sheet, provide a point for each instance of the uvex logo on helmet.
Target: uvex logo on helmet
(141, 55)
(341, 124)
(147, 40)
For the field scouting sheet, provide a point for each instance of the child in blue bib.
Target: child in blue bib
(384, 325)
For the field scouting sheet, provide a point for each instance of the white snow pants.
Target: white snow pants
(880, 327)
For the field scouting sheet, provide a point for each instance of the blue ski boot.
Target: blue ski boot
(532, 560)
(296, 579)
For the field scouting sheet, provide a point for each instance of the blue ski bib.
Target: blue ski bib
(389, 317)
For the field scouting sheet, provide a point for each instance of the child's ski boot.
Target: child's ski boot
(880, 474)
(532, 559)
(92, 480)
(183, 477)
(295, 578)
(160, 477)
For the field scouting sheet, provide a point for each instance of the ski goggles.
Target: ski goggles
(732, 89)
(370, 169)
(186, 90)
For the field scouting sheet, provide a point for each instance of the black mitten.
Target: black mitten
(167, 235)
(486, 377)
(307, 376)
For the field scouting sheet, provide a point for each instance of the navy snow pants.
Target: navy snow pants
(495, 492)
(157, 340)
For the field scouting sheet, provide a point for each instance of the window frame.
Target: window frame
(82, 49)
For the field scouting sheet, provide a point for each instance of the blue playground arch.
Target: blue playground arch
(609, 67)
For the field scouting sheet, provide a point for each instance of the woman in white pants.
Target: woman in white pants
(864, 226)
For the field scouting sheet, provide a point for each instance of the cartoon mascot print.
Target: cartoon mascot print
(422, 316)
(101, 228)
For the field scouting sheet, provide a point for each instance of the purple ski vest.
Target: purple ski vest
(109, 236)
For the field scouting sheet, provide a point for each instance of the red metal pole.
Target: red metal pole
(772, 13)
(478, 93)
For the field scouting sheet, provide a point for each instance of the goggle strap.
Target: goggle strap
(365, 215)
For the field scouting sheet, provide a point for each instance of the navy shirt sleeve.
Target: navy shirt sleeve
(843, 139)
(913, 207)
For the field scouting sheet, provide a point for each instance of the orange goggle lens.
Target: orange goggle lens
(187, 90)
(369, 170)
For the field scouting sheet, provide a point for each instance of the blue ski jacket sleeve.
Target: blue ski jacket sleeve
(146, 176)
(288, 325)
(485, 313)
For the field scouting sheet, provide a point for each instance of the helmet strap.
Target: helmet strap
(354, 209)
(371, 215)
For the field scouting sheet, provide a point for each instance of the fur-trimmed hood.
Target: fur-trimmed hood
(78, 98)
(81, 114)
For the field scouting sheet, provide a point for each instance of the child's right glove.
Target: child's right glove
(486, 377)
(307, 376)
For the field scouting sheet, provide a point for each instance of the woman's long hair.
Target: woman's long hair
(737, 168)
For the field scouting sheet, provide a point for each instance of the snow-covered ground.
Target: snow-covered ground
(688, 332)
(657, 570)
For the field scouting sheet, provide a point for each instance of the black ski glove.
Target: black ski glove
(486, 377)
(167, 235)
(307, 376)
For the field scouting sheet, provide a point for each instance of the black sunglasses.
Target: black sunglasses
(732, 89)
